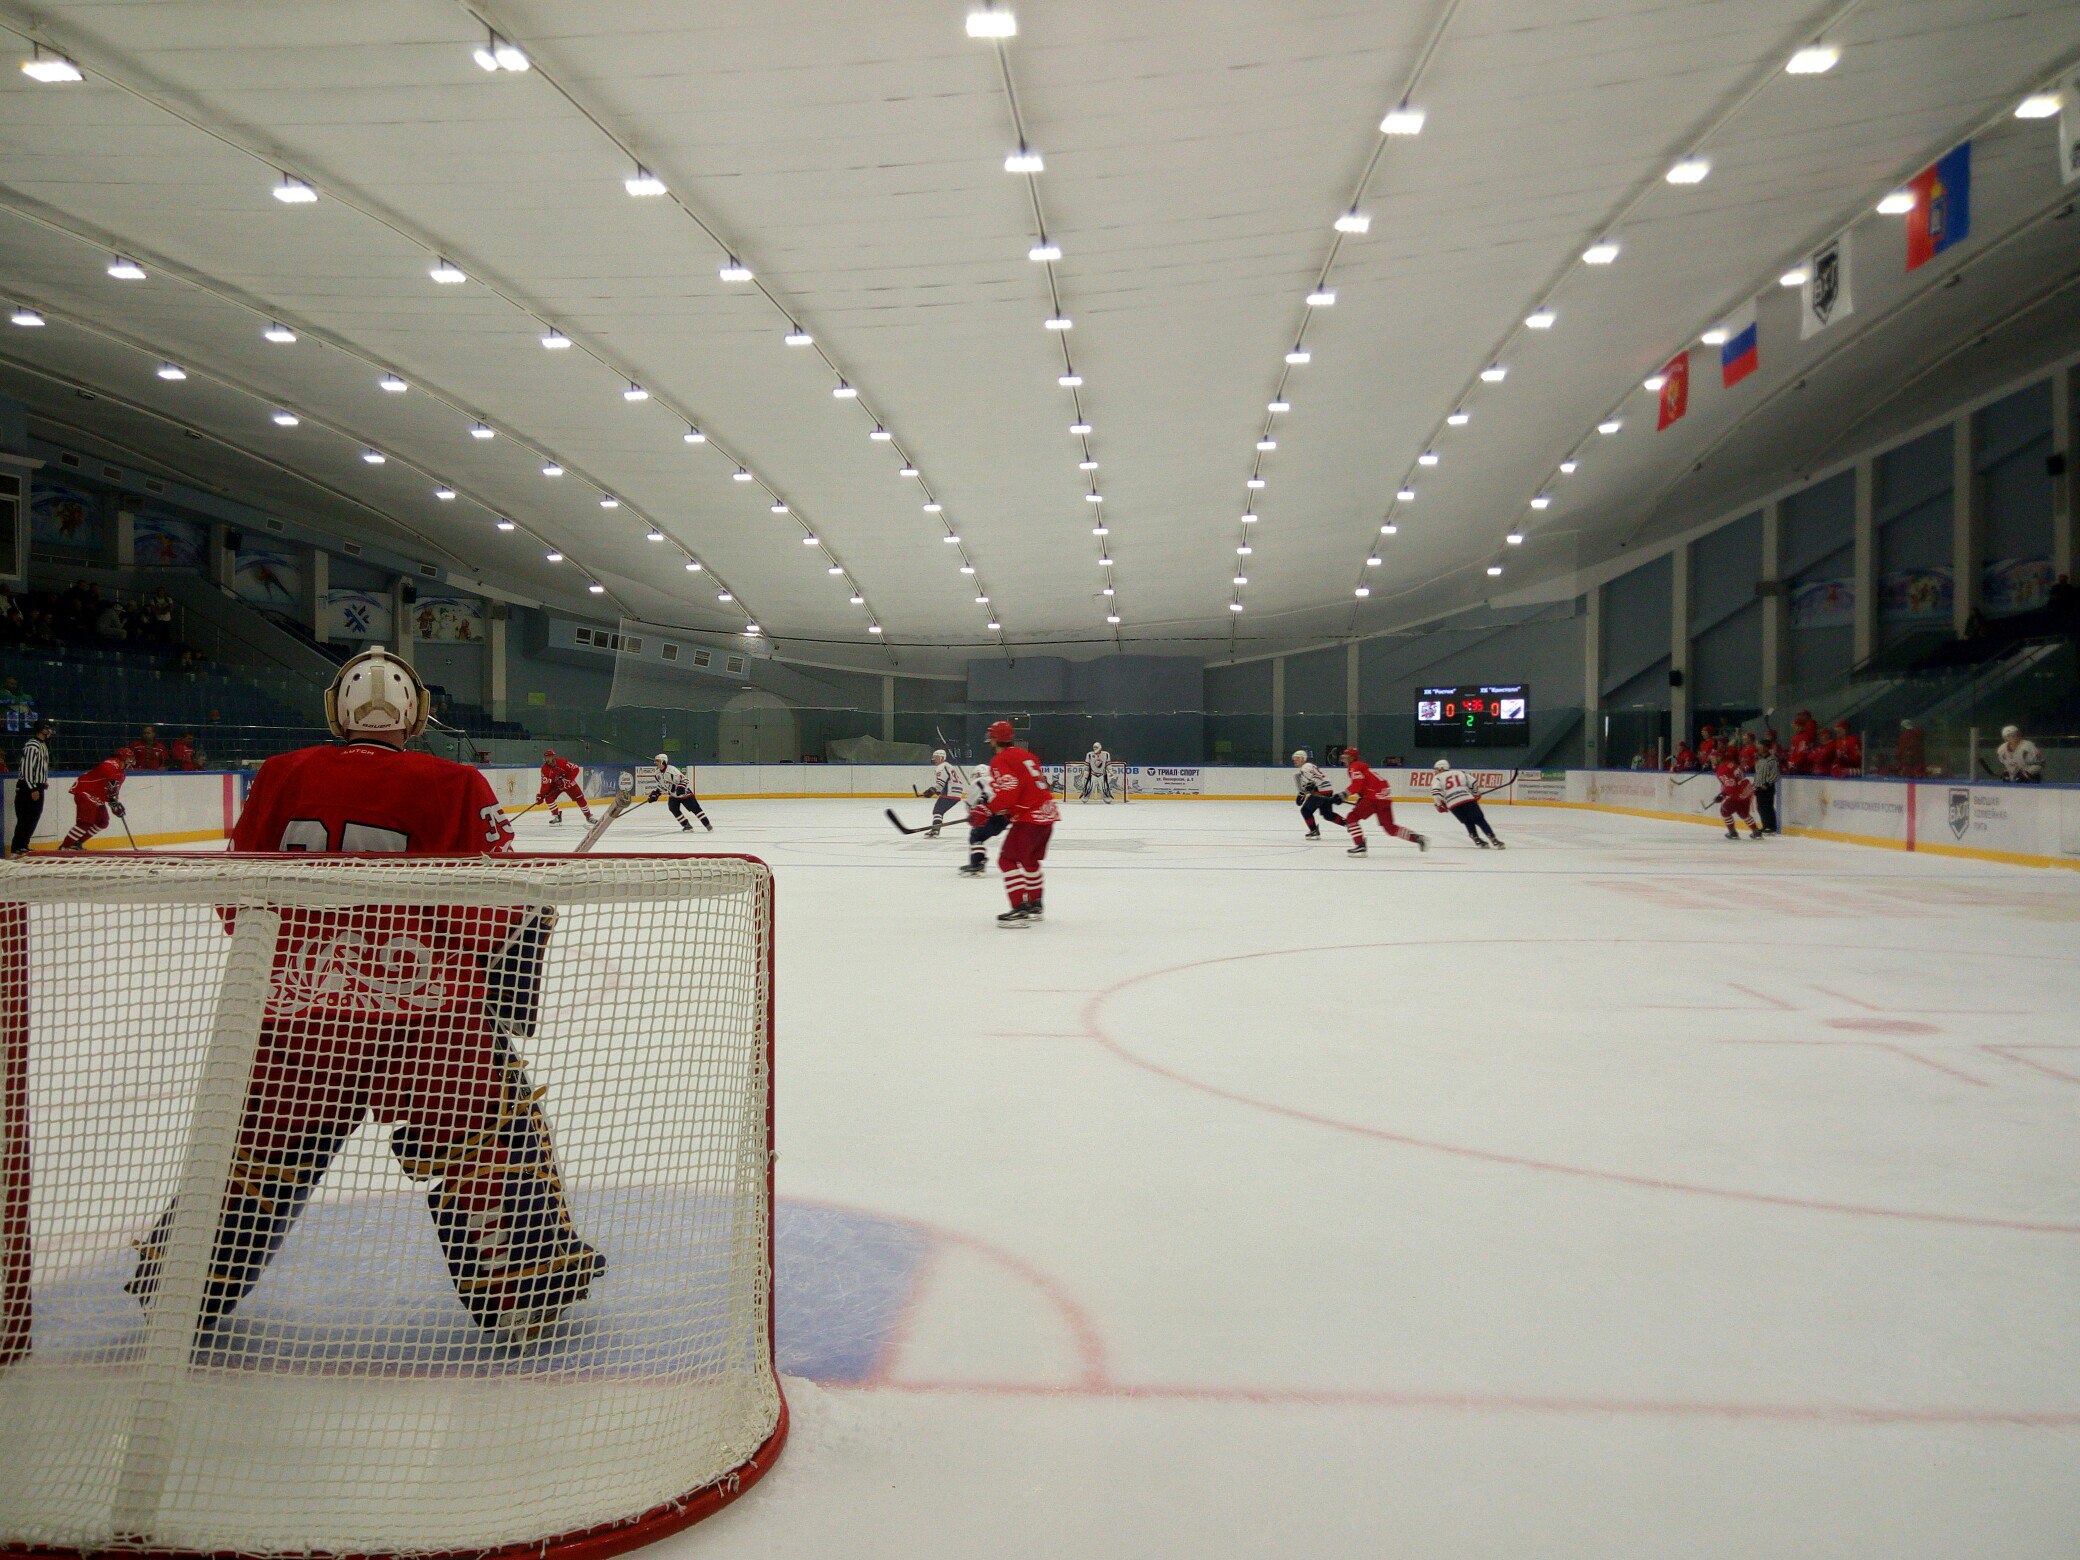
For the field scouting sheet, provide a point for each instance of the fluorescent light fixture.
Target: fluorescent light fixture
(1717, 336)
(835, 569)
(799, 338)
(554, 557)
(1458, 419)
(482, 431)
(1541, 502)
(552, 470)
(1600, 254)
(1254, 483)
(1079, 428)
(609, 501)
(1494, 569)
(992, 22)
(934, 507)
(740, 475)
(751, 630)
(496, 53)
(951, 539)
(376, 458)
(1094, 498)
(1298, 355)
(1494, 374)
(906, 471)
(28, 318)
(644, 184)
(1569, 467)
(393, 384)
(1059, 322)
(1249, 518)
(2038, 105)
(278, 333)
(1101, 530)
(507, 525)
(1044, 251)
(124, 269)
(1428, 458)
(1515, 538)
(1243, 551)
(873, 628)
(967, 568)
(1402, 121)
(1321, 298)
(993, 623)
(1108, 591)
(734, 270)
(693, 566)
(1025, 160)
(1112, 617)
(1242, 579)
(1267, 444)
(1815, 59)
(1542, 320)
(446, 495)
(1070, 381)
(1362, 592)
(1104, 560)
(1654, 382)
(779, 508)
(1797, 276)
(723, 595)
(446, 272)
(809, 541)
(1691, 170)
(172, 371)
(653, 536)
(1280, 405)
(1389, 529)
(1234, 606)
(1353, 221)
(982, 601)
(881, 435)
(694, 436)
(596, 588)
(635, 392)
(556, 341)
(1610, 426)
(285, 419)
(844, 392)
(1373, 562)
(1405, 496)
(1896, 204)
(50, 69)
(294, 192)
(1086, 465)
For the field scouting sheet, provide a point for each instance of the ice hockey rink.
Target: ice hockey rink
(1628, 1193)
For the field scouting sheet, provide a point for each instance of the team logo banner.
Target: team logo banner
(1825, 297)
(1960, 811)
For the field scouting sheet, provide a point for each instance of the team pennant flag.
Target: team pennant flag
(1739, 354)
(1675, 389)
(1824, 296)
(1942, 213)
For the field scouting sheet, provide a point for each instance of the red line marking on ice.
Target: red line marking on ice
(898, 1337)
(1765, 997)
(2008, 1050)
(1093, 1022)
(1492, 1402)
(1869, 1045)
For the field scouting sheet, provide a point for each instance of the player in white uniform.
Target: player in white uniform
(1456, 794)
(1314, 793)
(1097, 771)
(675, 785)
(2021, 761)
(948, 785)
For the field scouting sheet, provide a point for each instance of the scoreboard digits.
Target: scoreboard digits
(1467, 715)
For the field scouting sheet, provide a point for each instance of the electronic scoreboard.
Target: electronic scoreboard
(1489, 715)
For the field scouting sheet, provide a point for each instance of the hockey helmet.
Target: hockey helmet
(2011, 731)
(661, 760)
(1299, 755)
(1000, 731)
(938, 755)
(376, 692)
(1442, 763)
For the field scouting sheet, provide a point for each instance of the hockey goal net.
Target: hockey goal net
(1096, 783)
(382, 1206)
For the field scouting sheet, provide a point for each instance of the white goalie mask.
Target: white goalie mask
(375, 692)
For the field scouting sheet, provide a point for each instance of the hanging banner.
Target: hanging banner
(165, 541)
(1675, 389)
(353, 615)
(1915, 593)
(456, 620)
(1740, 354)
(1942, 213)
(2069, 127)
(1824, 297)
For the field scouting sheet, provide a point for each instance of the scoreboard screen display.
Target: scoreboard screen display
(1490, 715)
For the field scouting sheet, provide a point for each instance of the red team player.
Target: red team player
(1371, 798)
(406, 1016)
(1018, 790)
(1737, 799)
(95, 795)
(560, 781)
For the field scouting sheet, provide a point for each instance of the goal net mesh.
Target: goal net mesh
(374, 1206)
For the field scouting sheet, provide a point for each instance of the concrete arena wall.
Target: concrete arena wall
(2025, 825)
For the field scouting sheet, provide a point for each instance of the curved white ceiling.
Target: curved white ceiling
(1196, 153)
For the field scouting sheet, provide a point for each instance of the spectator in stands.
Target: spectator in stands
(1683, 761)
(112, 623)
(1768, 770)
(1640, 760)
(183, 754)
(1750, 750)
(2021, 763)
(1846, 752)
(149, 751)
(1910, 757)
(39, 629)
(1708, 748)
(158, 612)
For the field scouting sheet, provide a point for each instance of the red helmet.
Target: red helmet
(1350, 753)
(1000, 731)
(548, 752)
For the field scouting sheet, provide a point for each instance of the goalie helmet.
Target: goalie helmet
(376, 692)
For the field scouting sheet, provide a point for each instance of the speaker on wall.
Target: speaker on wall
(1675, 677)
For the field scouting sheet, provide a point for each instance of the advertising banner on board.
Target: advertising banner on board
(1166, 780)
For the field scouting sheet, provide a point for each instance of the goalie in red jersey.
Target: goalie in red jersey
(560, 782)
(1371, 797)
(1019, 791)
(406, 1016)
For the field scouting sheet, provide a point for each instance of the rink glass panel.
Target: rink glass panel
(350, 1401)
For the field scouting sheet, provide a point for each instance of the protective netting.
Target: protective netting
(364, 1206)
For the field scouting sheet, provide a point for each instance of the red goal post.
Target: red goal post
(365, 1205)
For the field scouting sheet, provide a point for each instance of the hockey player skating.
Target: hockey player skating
(1097, 772)
(1456, 794)
(560, 781)
(1020, 792)
(1736, 800)
(1314, 795)
(675, 785)
(95, 795)
(948, 784)
(1372, 798)
(406, 1016)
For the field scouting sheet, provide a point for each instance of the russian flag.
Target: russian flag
(1739, 356)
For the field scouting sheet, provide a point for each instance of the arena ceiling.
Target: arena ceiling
(1195, 156)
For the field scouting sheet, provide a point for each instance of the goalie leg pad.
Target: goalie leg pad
(495, 1193)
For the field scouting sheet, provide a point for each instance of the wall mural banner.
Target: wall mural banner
(1916, 593)
(166, 541)
(353, 614)
(268, 577)
(64, 517)
(1823, 603)
(2012, 585)
(456, 620)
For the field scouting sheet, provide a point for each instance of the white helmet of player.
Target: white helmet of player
(661, 760)
(1299, 755)
(938, 755)
(378, 694)
(1442, 763)
(2011, 731)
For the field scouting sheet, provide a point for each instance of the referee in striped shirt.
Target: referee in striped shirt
(30, 787)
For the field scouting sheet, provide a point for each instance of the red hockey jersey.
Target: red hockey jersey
(1017, 787)
(1364, 782)
(101, 783)
(363, 796)
(559, 771)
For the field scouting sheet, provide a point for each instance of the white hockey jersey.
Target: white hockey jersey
(672, 781)
(1098, 759)
(1453, 788)
(947, 780)
(1309, 780)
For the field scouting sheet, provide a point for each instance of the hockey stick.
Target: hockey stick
(624, 789)
(124, 819)
(903, 828)
(1500, 785)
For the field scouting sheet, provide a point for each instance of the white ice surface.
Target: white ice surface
(1631, 1193)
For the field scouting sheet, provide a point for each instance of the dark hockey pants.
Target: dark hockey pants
(1469, 813)
(1316, 805)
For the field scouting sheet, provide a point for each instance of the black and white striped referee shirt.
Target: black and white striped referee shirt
(36, 765)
